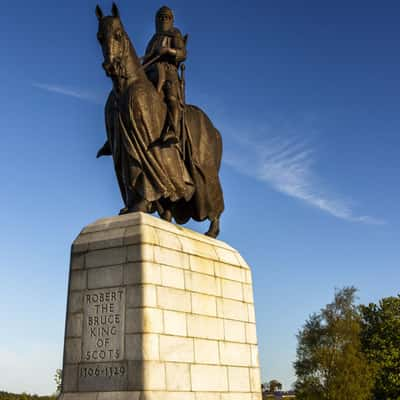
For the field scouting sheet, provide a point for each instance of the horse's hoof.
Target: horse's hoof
(212, 233)
(213, 230)
(123, 211)
(167, 215)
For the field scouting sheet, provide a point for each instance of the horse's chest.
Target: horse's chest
(118, 112)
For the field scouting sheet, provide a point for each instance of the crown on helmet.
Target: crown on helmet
(164, 10)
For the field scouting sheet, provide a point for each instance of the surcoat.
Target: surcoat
(166, 68)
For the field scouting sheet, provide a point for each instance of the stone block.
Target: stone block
(114, 222)
(118, 395)
(74, 325)
(227, 256)
(77, 260)
(106, 239)
(251, 313)
(254, 355)
(144, 320)
(142, 347)
(178, 377)
(242, 261)
(201, 283)
(232, 309)
(209, 378)
(198, 248)
(206, 351)
(239, 379)
(70, 378)
(256, 395)
(72, 351)
(146, 375)
(78, 280)
(106, 257)
(140, 252)
(247, 276)
(80, 245)
(172, 277)
(169, 240)
(231, 272)
(173, 299)
(255, 380)
(142, 273)
(105, 277)
(235, 354)
(175, 348)
(236, 396)
(204, 304)
(172, 258)
(251, 334)
(175, 323)
(248, 293)
(141, 296)
(78, 396)
(208, 396)
(167, 395)
(75, 301)
(235, 331)
(201, 265)
(138, 234)
(200, 326)
(232, 289)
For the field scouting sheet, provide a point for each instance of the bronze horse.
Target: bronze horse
(152, 174)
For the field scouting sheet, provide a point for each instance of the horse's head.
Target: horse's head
(114, 42)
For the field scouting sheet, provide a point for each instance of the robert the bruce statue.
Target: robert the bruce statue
(166, 153)
(167, 48)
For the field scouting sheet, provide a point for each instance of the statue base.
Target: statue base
(158, 312)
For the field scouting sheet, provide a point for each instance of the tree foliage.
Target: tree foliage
(380, 337)
(58, 380)
(330, 364)
(24, 396)
(271, 386)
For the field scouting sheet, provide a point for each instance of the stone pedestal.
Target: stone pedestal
(158, 312)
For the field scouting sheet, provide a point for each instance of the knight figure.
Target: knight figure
(167, 48)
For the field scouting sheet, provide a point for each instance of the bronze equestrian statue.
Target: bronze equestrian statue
(166, 154)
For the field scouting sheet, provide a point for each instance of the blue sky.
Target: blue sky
(306, 96)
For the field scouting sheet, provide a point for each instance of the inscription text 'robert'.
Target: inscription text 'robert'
(103, 331)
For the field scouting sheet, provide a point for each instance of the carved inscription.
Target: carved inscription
(104, 376)
(103, 331)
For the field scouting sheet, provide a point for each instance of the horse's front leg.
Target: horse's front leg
(213, 230)
(135, 204)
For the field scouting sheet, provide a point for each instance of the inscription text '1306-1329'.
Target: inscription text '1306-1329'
(103, 331)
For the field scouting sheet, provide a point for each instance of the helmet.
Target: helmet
(164, 24)
(164, 10)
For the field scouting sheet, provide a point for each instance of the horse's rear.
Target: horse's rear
(203, 160)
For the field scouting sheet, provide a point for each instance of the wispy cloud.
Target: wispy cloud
(288, 166)
(65, 91)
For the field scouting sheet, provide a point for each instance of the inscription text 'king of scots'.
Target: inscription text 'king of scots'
(103, 333)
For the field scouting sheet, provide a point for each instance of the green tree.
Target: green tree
(380, 337)
(330, 364)
(274, 385)
(58, 380)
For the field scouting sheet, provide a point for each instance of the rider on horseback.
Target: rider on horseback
(167, 49)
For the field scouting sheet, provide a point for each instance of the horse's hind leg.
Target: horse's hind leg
(213, 230)
(167, 215)
(163, 208)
